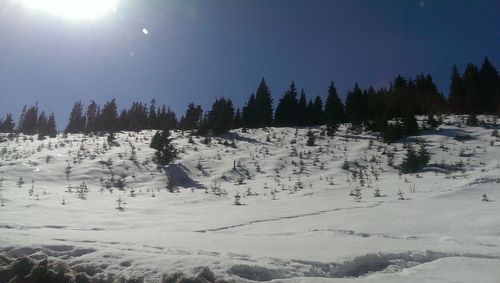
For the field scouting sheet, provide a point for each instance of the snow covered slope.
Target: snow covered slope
(107, 209)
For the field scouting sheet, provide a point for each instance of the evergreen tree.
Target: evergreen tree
(264, 103)
(311, 139)
(410, 125)
(28, 122)
(165, 151)
(318, 116)
(77, 120)
(220, 118)
(472, 120)
(107, 121)
(7, 125)
(93, 112)
(424, 156)
(457, 97)
(237, 123)
(431, 122)
(152, 117)
(331, 128)
(167, 118)
(392, 132)
(310, 115)
(471, 88)
(191, 120)
(42, 125)
(301, 115)
(334, 108)
(355, 106)
(286, 111)
(488, 83)
(136, 118)
(51, 129)
(413, 160)
(250, 114)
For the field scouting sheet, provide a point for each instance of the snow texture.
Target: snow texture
(74, 207)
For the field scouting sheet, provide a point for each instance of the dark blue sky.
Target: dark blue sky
(197, 50)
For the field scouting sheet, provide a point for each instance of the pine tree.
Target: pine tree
(93, 112)
(413, 160)
(28, 122)
(431, 122)
(107, 121)
(165, 151)
(334, 108)
(424, 156)
(220, 118)
(42, 125)
(152, 117)
(249, 113)
(410, 125)
(331, 128)
(7, 125)
(471, 88)
(237, 123)
(77, 120)
(392, 132)
(318, 116)
(311, 139)
(488, 83)
(286, 111)
(51, 129)
(264, 103)
(355, 107)
(167, 118)
(301, 115)
(192, 119)
(457, 93)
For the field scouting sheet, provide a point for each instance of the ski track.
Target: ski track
(285, 218)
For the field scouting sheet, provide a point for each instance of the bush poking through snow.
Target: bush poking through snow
(485, 198)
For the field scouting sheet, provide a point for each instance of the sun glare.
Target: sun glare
(73, 9)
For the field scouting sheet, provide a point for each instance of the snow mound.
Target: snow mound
(356, 267)
(26, 269)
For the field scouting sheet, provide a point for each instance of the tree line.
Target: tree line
(476, 91)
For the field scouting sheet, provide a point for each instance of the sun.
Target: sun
(73, 9)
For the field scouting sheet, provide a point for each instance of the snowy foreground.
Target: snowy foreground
(297, 222)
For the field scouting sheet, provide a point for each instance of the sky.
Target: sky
(197, 50)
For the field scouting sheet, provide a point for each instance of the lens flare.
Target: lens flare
(73, 9)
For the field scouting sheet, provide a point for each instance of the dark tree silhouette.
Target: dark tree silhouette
(286, 111)
(334, 108)
(77, 119)
(264, 102)
(93, 112)
(191, 120)
(165, 150)
(7, 125)
(28, 122)
(220, 118)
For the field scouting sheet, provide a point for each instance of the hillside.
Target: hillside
(108, 210)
